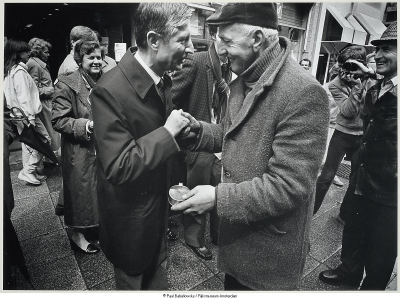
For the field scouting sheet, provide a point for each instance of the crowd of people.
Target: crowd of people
(257, 153)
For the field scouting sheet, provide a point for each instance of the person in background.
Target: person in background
(108, 62)
(201, 89)
(135, 137)
(78, 32)
(272, 141)
(348, 129)
(68, 66)
(39, 71)
(20, 91)
(369, 242)
(305, 63)
(72, 117)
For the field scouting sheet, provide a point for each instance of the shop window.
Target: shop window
(295, 36)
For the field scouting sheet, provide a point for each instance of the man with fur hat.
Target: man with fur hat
(272, 140)
(370, 234)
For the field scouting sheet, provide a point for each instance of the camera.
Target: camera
(350, 66)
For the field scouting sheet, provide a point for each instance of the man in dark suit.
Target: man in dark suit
(130, 105)
(204, 76)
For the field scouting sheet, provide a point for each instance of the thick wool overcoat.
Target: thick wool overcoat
(71, 112)
(272, 141)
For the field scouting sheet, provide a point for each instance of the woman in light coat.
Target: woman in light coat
(20, 91)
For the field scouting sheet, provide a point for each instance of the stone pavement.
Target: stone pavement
(54, 266)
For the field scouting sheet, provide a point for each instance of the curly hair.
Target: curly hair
(85, 47)
(37, 45)
(353, 52)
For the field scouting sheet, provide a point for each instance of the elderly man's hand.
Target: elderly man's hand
(201, 199)
(192, 130)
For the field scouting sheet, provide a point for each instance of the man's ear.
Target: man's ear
(153, 40)
(259, 38)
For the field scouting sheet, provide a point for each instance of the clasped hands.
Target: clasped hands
(200, 199)
(181, 124)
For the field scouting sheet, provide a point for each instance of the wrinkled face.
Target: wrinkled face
(386, 60)
(24, 56)
(305, 64)
(237, 46)
(172, 53)
(44, 54)
(92, 63)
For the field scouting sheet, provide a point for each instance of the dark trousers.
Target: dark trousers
(232, 284)
(369, 242)
(341, 144)
(206, 170)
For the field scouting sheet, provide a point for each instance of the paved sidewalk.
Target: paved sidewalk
(54, 266)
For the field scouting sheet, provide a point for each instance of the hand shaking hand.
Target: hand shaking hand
(192, 130)
(176, 122)
(201, 199)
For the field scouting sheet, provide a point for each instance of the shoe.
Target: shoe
(47, 165)
(337, 181)
(173, 223)
(90, 249)
(40, 177)
(330, 277)
(171, 236)
(29, 178)
(202, 252)
(59, 210)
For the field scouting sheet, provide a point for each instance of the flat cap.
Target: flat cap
(390, 34)
(256, 14)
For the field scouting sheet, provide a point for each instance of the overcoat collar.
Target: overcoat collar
(240, 106)
(40, 62)
(136, 75)
(76, 83)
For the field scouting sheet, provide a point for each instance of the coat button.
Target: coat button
(227, 174)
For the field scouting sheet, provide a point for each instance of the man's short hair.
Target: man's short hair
(269, 33)
(162, 18)
(353, 52)
(82, 32)
(305, 59)
(37, 45)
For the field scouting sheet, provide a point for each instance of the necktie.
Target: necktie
(160, 89)
(225, 72)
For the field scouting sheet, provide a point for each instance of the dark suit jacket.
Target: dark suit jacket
(132, 148)
(192, 90)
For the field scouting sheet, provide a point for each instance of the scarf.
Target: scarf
(90, 83)
(220, 98)
(267, 62)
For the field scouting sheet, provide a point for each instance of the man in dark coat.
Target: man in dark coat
(204, 77)
(130, 105)
(370, 233)
(272, 141)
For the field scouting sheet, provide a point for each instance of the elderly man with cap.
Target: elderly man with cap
(272, 141)
(370, 234)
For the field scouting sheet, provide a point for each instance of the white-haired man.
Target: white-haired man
(272, 141)
(134, 140)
